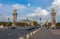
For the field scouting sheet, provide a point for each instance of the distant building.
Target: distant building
(29, 23)
(14, 18)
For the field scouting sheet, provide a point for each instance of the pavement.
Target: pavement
(47, 34)
(55, 31)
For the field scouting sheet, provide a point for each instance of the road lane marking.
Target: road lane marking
(13, 34)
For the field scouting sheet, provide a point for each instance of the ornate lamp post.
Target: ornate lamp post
(40, 22)
(14, 18)
(8, 22)
(53, 18)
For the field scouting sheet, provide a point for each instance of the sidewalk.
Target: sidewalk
(55, 31)
(44, 34)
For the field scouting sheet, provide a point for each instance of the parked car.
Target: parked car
(37, 26)
(13, 27)
(30, 28)
(57, 27)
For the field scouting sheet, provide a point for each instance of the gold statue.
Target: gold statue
(53, 10)
(15, 11)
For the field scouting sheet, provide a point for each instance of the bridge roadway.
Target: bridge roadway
(41, 34)
(13, 33)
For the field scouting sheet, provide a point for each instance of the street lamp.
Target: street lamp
(8, 22)
(40, 22)
(8, 19)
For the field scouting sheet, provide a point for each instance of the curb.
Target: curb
(27, 36)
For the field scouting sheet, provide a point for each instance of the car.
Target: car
(30, 28)
(33, 28)
(13, 27)
(37, 26)
(57, 27)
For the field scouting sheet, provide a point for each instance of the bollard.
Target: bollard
(31, 34)
(27, 36)
(21, 38)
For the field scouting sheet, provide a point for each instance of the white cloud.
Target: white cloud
(56, 2)
(0, 4)
(18, 6)
(44, 13)
(39, 12)
(32, 15)
(29, 5)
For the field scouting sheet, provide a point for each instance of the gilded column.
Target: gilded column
(14, 18)
(53, 18)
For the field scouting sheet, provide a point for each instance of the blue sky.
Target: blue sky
(31, 9)
(40, 3)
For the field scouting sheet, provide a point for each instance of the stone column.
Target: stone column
(14, 18)
(53, 18)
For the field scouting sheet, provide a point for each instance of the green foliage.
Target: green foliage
(58, 24)
(49, 24)
(35, 23)
(6, 23)
(21, 24)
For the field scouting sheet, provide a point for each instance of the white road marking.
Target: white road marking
(13, 34)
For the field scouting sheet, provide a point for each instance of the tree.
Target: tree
(21, 23)
(35, 23)
(58, 24)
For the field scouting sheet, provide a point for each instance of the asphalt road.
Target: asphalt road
(13, 33)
